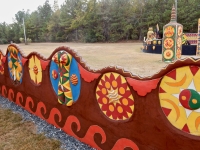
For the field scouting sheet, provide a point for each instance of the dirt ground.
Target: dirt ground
(99, 55)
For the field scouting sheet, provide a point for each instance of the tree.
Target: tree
(44, 13)
(98, 20)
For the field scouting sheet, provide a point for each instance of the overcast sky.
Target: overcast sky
(8, 8)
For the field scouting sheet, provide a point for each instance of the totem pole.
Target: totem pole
(172, 39)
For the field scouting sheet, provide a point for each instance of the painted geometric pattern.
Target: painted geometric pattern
(192, 38)
(1, 64)
(63, 60)
(169, 31)
(179, 42)
(35, 70)
(114, 97)
(15, 64)
(169, 43)
(180, 100)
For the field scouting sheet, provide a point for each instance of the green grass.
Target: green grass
(18, 135)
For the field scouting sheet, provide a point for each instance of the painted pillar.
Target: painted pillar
(172, 39)
(198, 38)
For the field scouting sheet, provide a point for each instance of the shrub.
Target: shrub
(21, 40)
(28, 40)
(3, 41)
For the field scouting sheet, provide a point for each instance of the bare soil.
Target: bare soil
(99, 55)
(127, 55)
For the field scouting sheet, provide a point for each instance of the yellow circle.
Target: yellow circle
(114, 84)
(104, 100)
(125, 101)
(121, 90)
(107, 85)
(194, 101)
(183, 97)
(111, 108)
(104, 91)
(119, 109)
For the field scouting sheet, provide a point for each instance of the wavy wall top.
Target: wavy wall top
(108, 108)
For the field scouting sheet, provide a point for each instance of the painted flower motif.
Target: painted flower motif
(1, 64)
(168, 43)
(114, 97)
(35, 70)
(15, 64)
(169, 31)
(168, 54)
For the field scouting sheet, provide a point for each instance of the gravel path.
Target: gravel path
(50, 131)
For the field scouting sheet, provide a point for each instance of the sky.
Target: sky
(9, 8)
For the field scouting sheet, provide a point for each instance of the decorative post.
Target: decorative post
(172, 39)
(198, 38)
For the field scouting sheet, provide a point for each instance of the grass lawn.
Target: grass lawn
(18, 135)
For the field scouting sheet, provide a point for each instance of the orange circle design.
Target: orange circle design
(168, 54)
(180, 31)
(168, 43)
(169, 31)
(114, 97)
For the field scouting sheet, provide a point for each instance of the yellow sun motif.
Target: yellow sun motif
(35, 70)
(180, 98)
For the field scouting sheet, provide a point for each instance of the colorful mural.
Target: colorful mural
(35, 70)
(65, 77)
(180, 99)
(15, 64)
(112, 108)
(114, 97)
